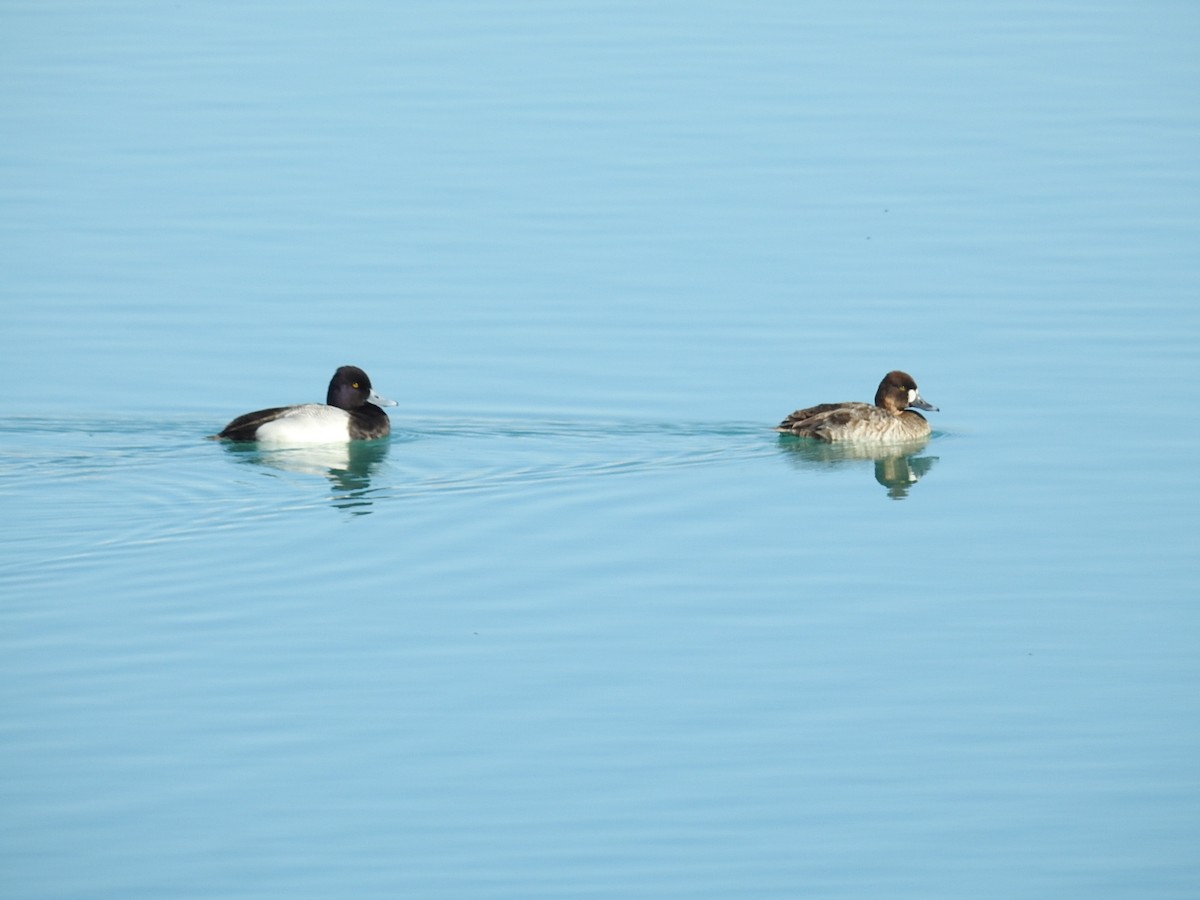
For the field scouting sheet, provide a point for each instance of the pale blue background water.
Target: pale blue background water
(585, 626)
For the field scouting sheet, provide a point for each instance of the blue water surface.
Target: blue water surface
(584, 625)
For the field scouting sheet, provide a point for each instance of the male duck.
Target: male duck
(890, 421)
(351, 412)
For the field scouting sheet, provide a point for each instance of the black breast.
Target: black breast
(368, 422)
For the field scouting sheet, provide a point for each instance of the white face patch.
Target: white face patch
(912, 395)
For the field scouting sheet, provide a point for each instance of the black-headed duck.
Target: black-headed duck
(351, 412)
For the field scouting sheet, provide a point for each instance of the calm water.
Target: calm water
(584, 626)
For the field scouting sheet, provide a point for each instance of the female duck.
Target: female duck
(351, 412)
(890, 420)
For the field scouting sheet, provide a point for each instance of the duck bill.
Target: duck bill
(921, 403)
(381, 401)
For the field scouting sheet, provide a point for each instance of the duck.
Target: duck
(891, 420)
(351, 412)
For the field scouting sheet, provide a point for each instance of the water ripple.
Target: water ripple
(81, 487)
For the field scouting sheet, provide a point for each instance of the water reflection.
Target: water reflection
(348, 467)
(897, 466)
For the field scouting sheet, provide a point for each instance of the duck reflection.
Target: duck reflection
(897, 467)
(348, 467)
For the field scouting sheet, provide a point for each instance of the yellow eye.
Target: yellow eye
(355, 385)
